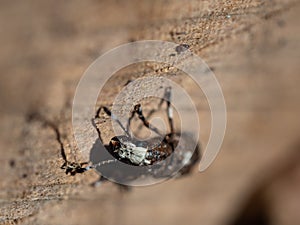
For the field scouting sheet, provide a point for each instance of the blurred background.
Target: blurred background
(251, 46)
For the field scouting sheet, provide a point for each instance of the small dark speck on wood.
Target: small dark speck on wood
(181, 48)
(12, 163)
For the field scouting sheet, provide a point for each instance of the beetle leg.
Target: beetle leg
(169, 108)
(113, 117)
(138, 110)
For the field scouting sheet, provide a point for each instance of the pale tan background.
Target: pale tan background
(253, 48)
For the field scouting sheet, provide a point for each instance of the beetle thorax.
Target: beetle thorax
(137, 155)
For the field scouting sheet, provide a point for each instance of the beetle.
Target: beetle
(133, 151)
(160, 149)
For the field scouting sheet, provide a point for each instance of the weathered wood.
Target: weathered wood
(253, 48)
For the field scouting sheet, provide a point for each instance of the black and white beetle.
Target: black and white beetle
(135, 152)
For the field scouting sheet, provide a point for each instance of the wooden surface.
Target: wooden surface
(253, 49)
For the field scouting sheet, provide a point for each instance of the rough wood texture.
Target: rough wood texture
(253, 47)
